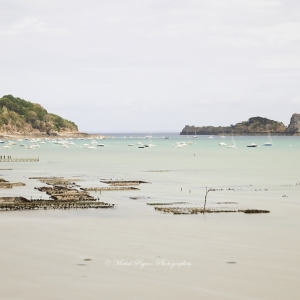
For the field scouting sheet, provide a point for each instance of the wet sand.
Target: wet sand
(72, 255)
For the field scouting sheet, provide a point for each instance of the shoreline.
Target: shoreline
(241, 134)
(18, 135)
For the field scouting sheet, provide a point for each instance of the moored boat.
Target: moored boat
(252, 145)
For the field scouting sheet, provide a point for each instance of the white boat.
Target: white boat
(90, 147)
(150, 142)
(130, 145)
(180, 145)
(269, 140)
(252, 145)
(222, 144)
(195, 136)
(210, 137)
(31, 147)
(233, 143)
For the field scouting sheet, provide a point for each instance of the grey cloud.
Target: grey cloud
(154, 64)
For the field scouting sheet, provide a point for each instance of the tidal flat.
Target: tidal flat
(136, 252)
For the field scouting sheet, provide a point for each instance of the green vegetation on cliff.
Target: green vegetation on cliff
(18, 115)
(255, 125)
(259, 125)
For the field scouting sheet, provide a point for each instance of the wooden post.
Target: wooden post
(207, 191)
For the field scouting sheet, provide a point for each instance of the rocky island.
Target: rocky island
(254, 126)
(23, 118)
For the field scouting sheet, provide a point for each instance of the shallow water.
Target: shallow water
(224, 256)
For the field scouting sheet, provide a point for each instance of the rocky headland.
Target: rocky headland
(294, 126)
(254, 126)
(20, 118)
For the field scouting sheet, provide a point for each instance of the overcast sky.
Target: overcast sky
(153, 65)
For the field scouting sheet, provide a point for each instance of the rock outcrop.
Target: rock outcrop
(254, 126)
(294, 126)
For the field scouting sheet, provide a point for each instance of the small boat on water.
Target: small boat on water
(31, 147)
(101, 145)
(195, 136)
(252, 145)
(233, 143)
(269, 140)
(222, 144)
(180, 145)
(130, 145)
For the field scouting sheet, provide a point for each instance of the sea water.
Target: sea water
(132, 247)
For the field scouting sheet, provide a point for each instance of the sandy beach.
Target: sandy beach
(62, 255)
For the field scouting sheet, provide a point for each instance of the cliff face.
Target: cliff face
(294, 126)
(20, 116)
(256, 126)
